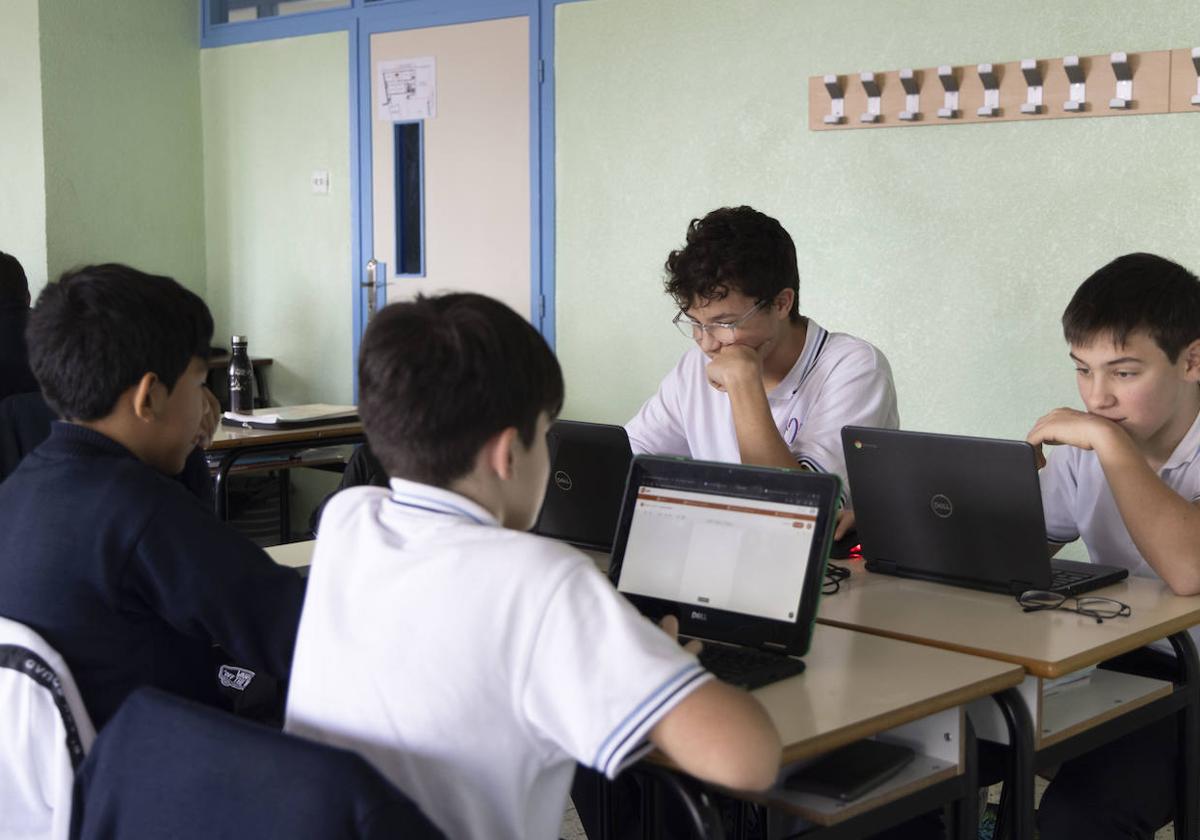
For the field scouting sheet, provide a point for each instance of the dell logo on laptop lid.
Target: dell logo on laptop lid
(941, 506)
(563, 481)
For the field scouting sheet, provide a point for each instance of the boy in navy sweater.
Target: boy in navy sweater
(108, 544)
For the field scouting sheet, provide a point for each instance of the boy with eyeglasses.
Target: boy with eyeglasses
(763, 384)
(1126, 479)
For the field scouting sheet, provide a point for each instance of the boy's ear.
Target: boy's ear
(146, 397)
(499, 452)
(1191, 361)
(783, 301)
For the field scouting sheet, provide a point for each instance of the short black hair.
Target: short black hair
(14, 285)
(734, 249)
(439, 376)
(1136, 292)
(100, 329)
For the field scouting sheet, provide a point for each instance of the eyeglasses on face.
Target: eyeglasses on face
(1034, 600)
(723, 331)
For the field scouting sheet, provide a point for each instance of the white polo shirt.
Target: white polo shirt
(1079, 503)
(838, 380)
(471, 664)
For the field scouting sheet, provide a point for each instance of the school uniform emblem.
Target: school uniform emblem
(235, 678)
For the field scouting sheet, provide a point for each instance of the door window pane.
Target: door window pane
(410, 205)
(238, 11)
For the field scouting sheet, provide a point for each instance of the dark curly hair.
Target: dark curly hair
(734, 249)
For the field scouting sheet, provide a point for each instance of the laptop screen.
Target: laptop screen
(736, 553)
(748, 556)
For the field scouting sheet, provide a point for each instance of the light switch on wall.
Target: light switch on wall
(320, 181)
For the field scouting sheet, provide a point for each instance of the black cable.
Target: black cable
(834, 575)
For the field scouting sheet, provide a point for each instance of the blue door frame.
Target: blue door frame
(362, 19)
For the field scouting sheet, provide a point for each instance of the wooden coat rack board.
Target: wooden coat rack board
(1157, 82)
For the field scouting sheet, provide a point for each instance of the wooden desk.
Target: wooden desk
(233, 444)
(858, 686)
(297, 555)
(1045, 644)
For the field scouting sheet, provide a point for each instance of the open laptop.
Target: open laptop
(736, 553)
(959, 510)
(588, 466)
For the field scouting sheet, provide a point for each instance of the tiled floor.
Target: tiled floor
(571, 829)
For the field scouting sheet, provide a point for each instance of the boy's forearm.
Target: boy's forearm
(758, 439)
(722, 735)
(1164, 526)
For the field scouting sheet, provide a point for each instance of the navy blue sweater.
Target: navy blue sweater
(15, 375)
(128, 574)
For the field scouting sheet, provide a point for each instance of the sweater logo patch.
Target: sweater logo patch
(234, 677)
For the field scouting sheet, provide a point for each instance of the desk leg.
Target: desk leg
(963, 814)
(221, 484)
(1187, 794)
(1016, 807)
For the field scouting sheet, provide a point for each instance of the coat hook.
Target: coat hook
(871, 86)
(912, 95)
(949, 109)
(1121, 69)
(1078, 89)
(991, 91)
(1033, 86)
(837, 101)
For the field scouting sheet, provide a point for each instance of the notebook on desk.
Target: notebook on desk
(965, 511)
(588, 466)
(291, 417)
(736, 553)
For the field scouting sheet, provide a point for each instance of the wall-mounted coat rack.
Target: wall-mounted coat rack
(1115, 84)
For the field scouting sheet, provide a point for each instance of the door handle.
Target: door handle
(371, 285)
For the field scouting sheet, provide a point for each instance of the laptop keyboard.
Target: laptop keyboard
(1063, 579)
(746, 667)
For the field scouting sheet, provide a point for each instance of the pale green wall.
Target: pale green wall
(22, 166)
(121, 94)
(954, 249)
(278, 255)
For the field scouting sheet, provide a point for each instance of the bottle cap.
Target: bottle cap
(238, 339)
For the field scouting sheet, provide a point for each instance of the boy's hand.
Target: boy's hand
(670, 626)
(736, 364)
(209, 419)
(845, 521)
(1070, 427)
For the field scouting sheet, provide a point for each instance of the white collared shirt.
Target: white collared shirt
(473, 665)
(837, 381)
(1079, 503)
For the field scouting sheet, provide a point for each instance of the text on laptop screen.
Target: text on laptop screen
(746, 556)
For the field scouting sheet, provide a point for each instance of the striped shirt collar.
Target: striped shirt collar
(424, 499)
(814, 343)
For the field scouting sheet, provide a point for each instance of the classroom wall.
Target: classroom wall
(952, 248)
(121, 116)
(278, 256)
(22, 166)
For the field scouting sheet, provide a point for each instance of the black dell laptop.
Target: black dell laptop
(588, 466)
(736, 553)
(965, 511)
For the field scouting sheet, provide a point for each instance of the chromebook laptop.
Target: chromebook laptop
(736, 553)
(965, 511)
(589, 463)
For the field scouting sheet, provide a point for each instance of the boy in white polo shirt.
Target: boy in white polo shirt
(763, 384)
(472, 663)
(1126, 479)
